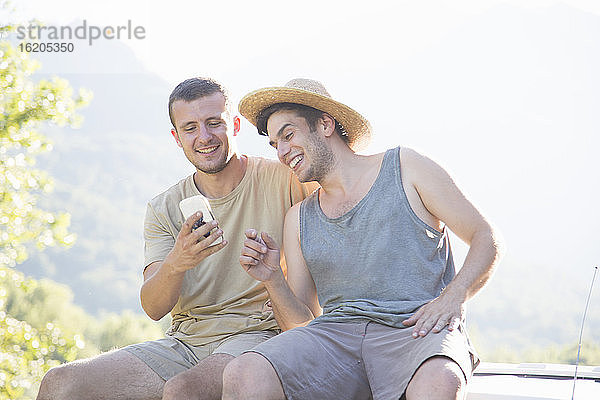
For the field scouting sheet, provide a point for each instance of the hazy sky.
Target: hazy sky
(504, 94)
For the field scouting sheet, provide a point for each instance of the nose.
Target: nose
(203, 135)
(283, 148)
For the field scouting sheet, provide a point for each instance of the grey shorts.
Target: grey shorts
(169, 356)
(360, 360)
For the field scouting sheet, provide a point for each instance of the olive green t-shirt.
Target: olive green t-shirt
(218, 298)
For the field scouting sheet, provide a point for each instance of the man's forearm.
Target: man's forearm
(160, 291)
(289, 311)
(480, 263)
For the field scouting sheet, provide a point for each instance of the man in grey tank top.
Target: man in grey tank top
(372, 306)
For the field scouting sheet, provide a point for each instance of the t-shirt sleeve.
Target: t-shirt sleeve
(158, 241)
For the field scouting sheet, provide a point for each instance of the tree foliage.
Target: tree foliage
(25, 105)
(26, 351)
(41, 301)
(40, 326)
(56, 331)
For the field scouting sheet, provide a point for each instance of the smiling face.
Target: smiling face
(203, 126)
(299, 147)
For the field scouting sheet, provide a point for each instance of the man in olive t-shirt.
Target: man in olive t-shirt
(217, 310)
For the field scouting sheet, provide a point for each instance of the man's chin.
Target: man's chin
(212, 168)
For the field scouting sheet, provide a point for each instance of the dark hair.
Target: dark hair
(195, 88)
(310, 114)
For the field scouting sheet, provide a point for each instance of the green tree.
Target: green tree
(29, 349)
(40, 301)
(26, 105)
(27, 352)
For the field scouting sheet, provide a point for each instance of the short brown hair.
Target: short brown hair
(195, 88)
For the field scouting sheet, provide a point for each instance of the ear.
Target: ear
(328, 124)
(236, 125)
(176, 136)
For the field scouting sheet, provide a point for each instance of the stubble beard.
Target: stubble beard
(212, 168)
(322, 158)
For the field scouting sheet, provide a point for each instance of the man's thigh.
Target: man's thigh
(237, 344)
(392, 356)
(168, 356)
(205, 379)
(113, 375)
(320, 361)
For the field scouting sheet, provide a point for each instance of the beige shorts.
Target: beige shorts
(169, 356)
(362, 360)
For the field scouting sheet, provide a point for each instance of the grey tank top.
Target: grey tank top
(379, 261)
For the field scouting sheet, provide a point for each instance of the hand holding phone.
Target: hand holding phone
(194, 204)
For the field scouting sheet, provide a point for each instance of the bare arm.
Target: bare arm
(163, 279)
(294, 301)
(442, 198)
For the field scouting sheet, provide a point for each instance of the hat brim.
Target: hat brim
(357, 127)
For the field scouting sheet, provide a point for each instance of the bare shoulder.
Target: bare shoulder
(408, 155)
(292, 218)
(417, 167)
(293, 212)
(412, 158)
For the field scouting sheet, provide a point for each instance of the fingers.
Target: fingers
(252, 253)
(253, 248)
(250, 256)
(208, 241)
(421, 323)
(423, 326)
(414, 318)
(251, 233)
(204, 242)
(247, 262)
(441, 324)
(191, 247)
(203, 230)
(213, 249)
(189, 222)
(425, 323)
(269, 241)
(255, 245)
(454, 323)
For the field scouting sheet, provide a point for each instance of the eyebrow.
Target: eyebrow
(212, 118)
(279, 133)
(187, 124)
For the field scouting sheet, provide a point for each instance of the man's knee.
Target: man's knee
(114, 374)
(439, 376)
(238, 371)
(58, 382)
(452, 377)
(177, 388)
(203, 381)
(251, 376)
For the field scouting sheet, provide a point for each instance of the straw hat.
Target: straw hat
(313, 94)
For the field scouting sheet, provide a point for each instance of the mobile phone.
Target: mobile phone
(194, 204)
